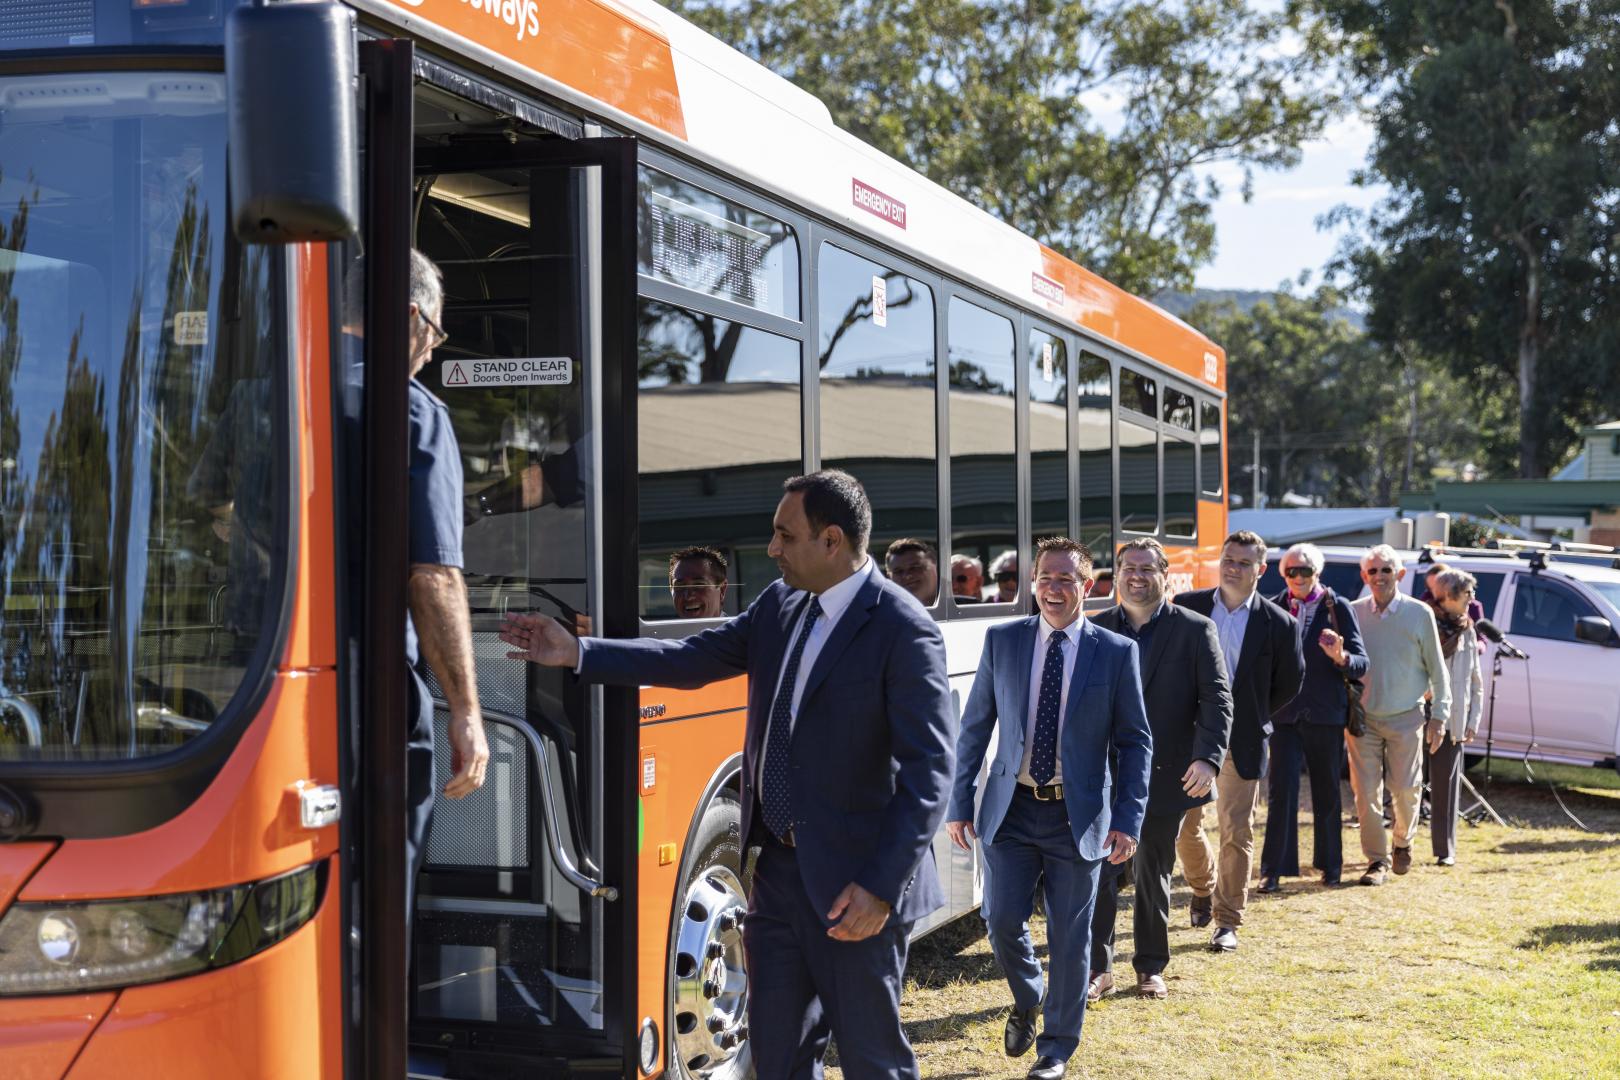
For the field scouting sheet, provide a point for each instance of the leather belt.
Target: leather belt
(1042, 792)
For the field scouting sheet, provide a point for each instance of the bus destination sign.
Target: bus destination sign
(706, 253)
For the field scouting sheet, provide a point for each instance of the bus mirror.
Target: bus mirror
(294, 154)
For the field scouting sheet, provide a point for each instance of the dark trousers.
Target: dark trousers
(418, 793)
(1150, 923)
(1321, 748)
(804, 986)
(1035, 845)
(1445, 795)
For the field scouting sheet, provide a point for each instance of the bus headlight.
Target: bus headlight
(106, 944)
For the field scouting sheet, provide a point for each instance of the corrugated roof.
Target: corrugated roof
(1296, 525)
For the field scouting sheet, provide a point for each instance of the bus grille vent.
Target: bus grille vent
(46, 21)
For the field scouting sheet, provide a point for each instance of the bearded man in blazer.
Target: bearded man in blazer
(1260, 645)
(847, 762)
(1060, 694)
(1189, 709)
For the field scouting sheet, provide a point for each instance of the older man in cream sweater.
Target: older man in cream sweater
(1404, 665)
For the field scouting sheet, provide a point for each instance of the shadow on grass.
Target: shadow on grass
(1606, 934)
(950, 1028)
(1547, 847)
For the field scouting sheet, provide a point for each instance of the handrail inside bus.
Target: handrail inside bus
(549, 809)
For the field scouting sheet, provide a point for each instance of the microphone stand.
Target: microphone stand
(1480, 809)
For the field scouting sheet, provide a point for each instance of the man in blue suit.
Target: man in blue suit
(846, 766)
(1060, 692)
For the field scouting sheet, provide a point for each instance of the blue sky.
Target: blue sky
(1274, 236)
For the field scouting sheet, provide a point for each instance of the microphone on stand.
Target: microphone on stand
(1494, 634)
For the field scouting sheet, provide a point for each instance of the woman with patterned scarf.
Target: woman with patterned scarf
(1445, 736)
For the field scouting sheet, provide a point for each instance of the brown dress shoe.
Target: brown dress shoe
(1102, 984)
(1151, 986)
(1401, 860)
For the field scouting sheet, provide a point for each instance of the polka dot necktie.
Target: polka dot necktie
(779, 738)
(1043, 756)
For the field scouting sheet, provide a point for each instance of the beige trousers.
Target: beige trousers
(1390, 752)
(1225, 877)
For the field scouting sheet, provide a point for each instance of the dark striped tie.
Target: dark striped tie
(1043, 756)
(776, 795)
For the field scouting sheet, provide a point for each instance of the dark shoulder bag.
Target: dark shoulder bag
(1355, 712)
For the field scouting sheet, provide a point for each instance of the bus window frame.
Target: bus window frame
(1026, 530)
(800, 330)
(1021, 523)
(97, 799)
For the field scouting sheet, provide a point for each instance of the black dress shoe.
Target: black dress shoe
(1270, 885)
(1019, 1034)
(1047, 1068)
(1202, 910)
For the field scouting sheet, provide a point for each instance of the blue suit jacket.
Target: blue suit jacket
(1321, 697)
(1105, 711)
(872, 744)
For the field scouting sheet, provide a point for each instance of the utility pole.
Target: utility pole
(1256, 477)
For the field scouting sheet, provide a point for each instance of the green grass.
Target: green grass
(1506, 965)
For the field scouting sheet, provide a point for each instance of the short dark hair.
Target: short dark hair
(699, 551)
(833, 497)
(1247, 538)
(911, 543)
(1146, 543)
(1063, 543)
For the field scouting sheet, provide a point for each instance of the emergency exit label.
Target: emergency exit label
(527, 371)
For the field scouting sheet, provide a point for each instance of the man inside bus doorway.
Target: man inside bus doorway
(847, 760)
(438, 629)
(1062, 693)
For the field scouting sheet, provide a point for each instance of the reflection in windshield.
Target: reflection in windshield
(135, 417)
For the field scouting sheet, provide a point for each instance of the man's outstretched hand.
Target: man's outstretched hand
(540, 639)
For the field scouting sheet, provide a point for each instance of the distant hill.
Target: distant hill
(1179, 303)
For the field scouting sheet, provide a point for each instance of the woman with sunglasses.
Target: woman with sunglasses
(1311, 727)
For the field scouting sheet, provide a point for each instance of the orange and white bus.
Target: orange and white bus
(671, 282)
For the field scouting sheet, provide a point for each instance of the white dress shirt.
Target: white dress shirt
(1070, 636)
(1231, 626)
(834, 602)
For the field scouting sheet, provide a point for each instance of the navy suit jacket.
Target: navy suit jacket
(1189, 702)
(1269, 671)
(872, 744)
(1105, 711)
(1321, 698)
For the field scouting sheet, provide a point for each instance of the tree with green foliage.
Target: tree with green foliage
(999, 102)
(1497, 250)
(1338, 416)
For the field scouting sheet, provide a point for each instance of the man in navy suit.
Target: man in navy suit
(846, 767)
(1060, 692)
(1312, 725)
(1264, 666)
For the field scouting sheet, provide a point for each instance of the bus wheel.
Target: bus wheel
(709, 1014)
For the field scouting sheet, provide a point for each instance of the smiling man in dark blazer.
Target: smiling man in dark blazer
(1189, 709)
(847, 763)
(1060, 694)
(1260, 646)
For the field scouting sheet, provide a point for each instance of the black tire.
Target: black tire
(717, 844)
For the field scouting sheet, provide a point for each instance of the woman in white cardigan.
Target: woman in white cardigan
(1446, 736)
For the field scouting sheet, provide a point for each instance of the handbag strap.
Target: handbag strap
(1331, 600)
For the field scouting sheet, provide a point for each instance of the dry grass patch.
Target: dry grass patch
(1505, 965)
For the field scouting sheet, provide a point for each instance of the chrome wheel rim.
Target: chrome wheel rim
(709, 1031)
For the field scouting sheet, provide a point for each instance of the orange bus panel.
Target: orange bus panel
(592, 46)
(17, 864)
(263, 1019)
(312, 640)
(1113, 313)
(40, 1037)
(242, 828)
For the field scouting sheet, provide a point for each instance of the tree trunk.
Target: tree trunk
(1529, 357)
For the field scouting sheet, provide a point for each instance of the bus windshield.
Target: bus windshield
(139, 481)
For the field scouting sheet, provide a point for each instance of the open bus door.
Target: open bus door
(522, 951)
